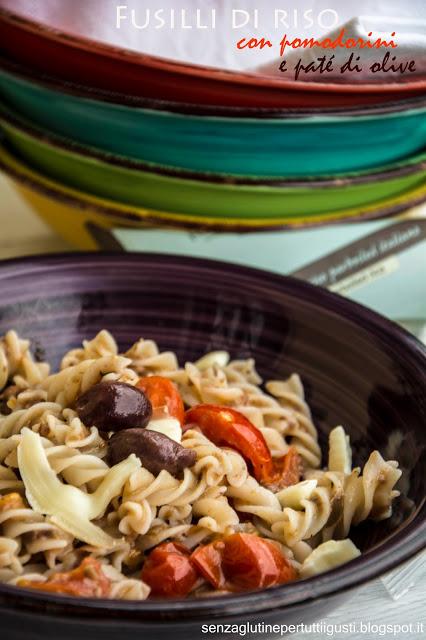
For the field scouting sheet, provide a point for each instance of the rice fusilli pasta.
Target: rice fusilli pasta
(103, 475)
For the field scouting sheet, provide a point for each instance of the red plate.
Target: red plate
(104, 66)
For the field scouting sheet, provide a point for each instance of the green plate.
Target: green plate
(202, 194)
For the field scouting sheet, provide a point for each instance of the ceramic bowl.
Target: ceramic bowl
(80, 217)
(290, 146)
(166, 189)
(58, 83)
(359, 370)
(96, 64)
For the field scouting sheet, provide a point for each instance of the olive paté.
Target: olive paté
(112, 406)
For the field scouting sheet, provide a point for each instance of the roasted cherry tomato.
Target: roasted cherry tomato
(169, 571)
(86, 581)
(228, 427)
(250, 562)
(288, 469)
(208, 561)
(242, 561)
(164, 397)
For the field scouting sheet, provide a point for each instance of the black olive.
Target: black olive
(155, 450)
(112, 406)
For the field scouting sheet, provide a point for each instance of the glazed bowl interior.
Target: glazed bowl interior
(358, 369)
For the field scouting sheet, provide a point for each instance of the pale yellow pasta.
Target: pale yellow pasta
(34, 534)
(286, 524)
(9, 560)
(17, 364)
(360, 494)
(301, 429)
(213, 462)
(61, 501)
(136, 517)
(147, 359)
(13, 423)
(64, 387)
(213, 511)
(102, 345)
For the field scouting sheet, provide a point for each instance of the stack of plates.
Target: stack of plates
(143, 141)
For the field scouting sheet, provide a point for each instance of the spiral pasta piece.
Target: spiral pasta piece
(301, 429)
(31, 531)
(102, 345)
(9, 559)
(68, 429)
(286, 524)
(136, 517)
(17, 364)
(123, 588)
(214, 511)
(147, 359)
(36, 414)
(213, 462)
(64, 387)
(77, 468)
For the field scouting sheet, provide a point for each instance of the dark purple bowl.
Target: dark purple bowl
(358, 368)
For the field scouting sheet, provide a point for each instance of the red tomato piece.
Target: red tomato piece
(86, 581)
(164, 397)
(250, 562)
(208, 560)
(169, 572)
(243, 561)
(228, 427)
(287, 470)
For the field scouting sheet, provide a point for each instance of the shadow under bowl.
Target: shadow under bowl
(358, 369)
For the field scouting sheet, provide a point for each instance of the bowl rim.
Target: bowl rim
(398, 548)
(120, 100)
(95, 156)
(82, 201)
(129, 56)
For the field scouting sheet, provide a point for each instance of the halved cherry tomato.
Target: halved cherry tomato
(208, 560)
(164, 397)
(86, 581)
(228, 427)
(288, 469)
(168, 571)
(251, 562)
(243, 561)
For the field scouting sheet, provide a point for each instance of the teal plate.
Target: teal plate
(284, 147)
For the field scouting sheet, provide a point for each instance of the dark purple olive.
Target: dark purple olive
(155, 450)
(112, 406)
